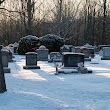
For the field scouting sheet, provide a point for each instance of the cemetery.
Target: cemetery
(55, 78)
(54, 54)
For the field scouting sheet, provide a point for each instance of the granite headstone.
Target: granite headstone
(42, 53)
(31, 61)
(106, 53)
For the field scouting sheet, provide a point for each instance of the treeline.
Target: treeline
(77, 22)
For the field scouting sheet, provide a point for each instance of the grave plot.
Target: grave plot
(72, 63)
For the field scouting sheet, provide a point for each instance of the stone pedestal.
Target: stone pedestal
(31, 61)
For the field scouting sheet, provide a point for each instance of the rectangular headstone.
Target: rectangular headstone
(42, 55)
(72, 59)
(106, 53)
(31, 61)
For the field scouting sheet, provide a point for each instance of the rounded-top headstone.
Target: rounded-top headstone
(42, 47)
(31, 53)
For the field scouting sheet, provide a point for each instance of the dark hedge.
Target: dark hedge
(52, 42)
(28, 43)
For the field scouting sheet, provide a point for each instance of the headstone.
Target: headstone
(2, 77)
(73, 50)
(66, 48)
(100, 47)
(42, 53)
(72, 60)
(10, 53)
(85, 51)
(5, 59)
(77, 49)
(106, 53)
(31, 61)
(73, 63)
(92, 52)
(55, 57)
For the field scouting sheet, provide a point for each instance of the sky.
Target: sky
(41, 89)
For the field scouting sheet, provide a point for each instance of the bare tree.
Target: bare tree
(103, 41)
(1, 1)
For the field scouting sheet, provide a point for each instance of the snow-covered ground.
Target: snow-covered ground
(40, 89)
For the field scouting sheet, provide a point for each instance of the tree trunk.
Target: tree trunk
(103, 41)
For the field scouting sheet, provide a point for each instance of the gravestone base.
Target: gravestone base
(54, 60)
(31, 67)
(42, 59)
(69, 67)
(105, 58)
(6, 70)
(66, 71)
(87, 59)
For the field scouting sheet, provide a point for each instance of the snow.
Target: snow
(40, 89)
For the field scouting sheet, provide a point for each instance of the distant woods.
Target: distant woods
(78, 23)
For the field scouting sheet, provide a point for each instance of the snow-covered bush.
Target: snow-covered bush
(28, 44)
(52, 42)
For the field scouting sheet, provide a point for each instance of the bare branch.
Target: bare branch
(1, 1)
(9, 10)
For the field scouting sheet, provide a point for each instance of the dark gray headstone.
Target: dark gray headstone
(31, 61)
(72, 59)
